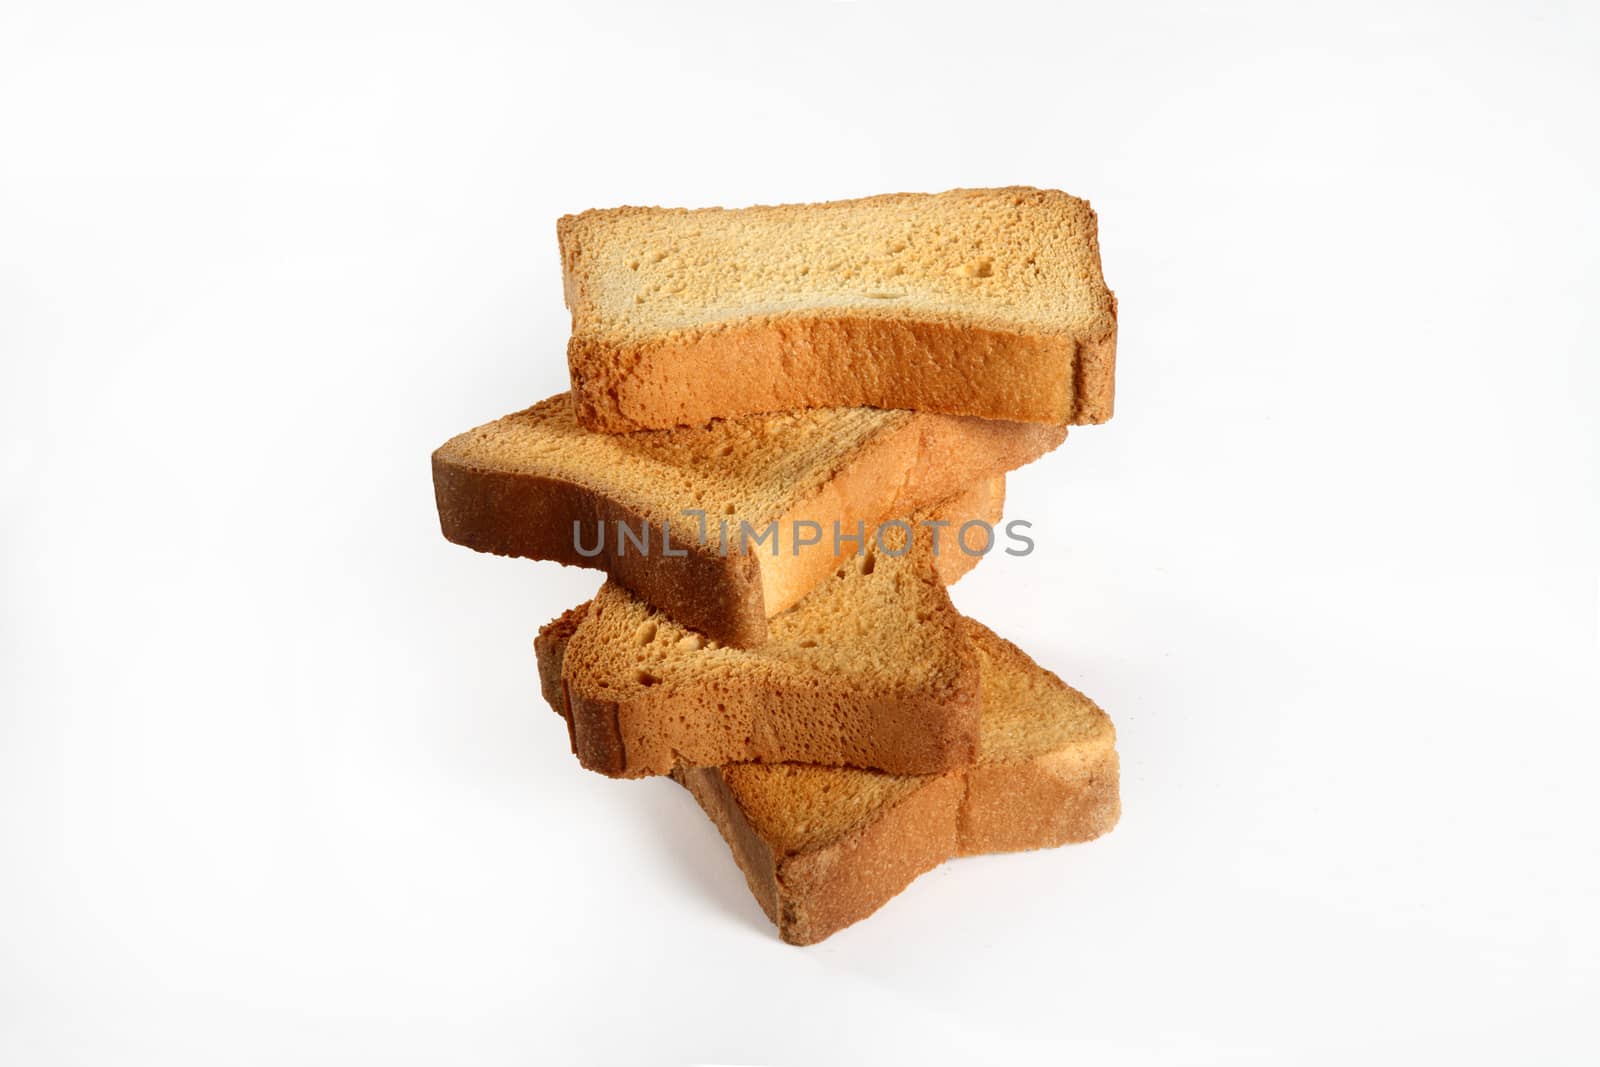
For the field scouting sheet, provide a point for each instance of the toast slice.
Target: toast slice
(985, 500)
(985, 302)
(824, 847)
(519, 485)
(872, 669)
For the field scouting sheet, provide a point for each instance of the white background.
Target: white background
(275, 784)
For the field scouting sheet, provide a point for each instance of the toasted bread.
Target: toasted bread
(986, 302)
(872, 669)
(824, 847)
(536, 484)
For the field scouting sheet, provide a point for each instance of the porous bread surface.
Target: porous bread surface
(984, 302)
(822, 848)
(1016, 258)
(550, 648)
(751, 469)
(873, 668)
(869, 627)
(984, 500)
(801, 807)
(1028, 715)
(1027, 710)
(517, 486)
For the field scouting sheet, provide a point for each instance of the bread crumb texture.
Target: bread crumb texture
(985, 302)
(872, 669)
(1029, 717)
(1017, 259)
(825, 846)
(749, 469)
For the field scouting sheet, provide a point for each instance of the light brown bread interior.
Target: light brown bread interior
(985, 302)
(517, 485)
(873, 668)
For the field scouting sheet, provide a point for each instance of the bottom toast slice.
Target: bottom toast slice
(824, 847)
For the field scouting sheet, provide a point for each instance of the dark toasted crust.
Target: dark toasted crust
(753, 855)
(825, 891)
(813, 895)
(936, 366)
(1004, 807)
(549, 648)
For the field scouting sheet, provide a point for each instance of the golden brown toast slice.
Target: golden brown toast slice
(985, 302)
(518, 485)
(872, 669)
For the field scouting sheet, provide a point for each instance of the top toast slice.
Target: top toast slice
(985, 302)
(519, 485)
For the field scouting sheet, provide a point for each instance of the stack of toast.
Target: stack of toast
(788, 432)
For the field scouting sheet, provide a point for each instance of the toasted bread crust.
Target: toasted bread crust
(929, 365)
(549, 648)
(532, 516)
(812, 895)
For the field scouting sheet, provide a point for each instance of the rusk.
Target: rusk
(872, 669)
(518, 485)
(986, 302)
(824, 847)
